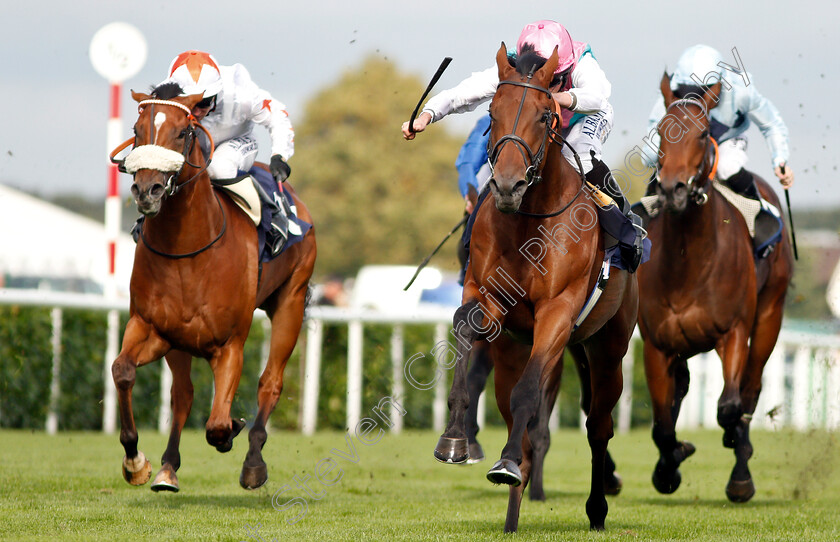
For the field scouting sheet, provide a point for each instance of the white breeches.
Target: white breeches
(732, 156)
(588, 134)
(234, 154)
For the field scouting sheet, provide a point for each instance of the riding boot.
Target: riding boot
(743, 183)
(631, 250)
(278, 231)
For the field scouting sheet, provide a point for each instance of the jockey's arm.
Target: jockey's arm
(465, 96)
(590, 90)
(764, 114)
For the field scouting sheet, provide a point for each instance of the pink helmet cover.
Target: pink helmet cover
(544, 36)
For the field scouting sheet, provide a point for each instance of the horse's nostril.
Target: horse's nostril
(156, 191)
(520, 185)
(134, 190)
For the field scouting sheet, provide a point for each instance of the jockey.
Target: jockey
(579, 86)
(699, 68)
(231, 106)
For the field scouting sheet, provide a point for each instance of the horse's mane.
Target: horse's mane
(686, 90)
(167, 91)
(529, 61)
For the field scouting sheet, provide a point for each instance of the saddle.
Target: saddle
(269, 206)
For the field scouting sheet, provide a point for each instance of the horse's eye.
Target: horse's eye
(705, 134)
(183, 134)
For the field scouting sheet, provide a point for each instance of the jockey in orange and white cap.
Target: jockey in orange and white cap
(231, 106)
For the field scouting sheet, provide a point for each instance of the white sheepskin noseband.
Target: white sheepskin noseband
(153, 157)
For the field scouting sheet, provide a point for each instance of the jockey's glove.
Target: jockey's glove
(279, 168)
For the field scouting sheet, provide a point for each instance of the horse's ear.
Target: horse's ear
(665, 87)
(139, 96)
(193, 99)
(712, 96)
(502, 62)
(546, 73)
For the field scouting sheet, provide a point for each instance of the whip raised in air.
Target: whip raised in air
(434, 80)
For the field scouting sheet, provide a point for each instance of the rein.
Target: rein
(534, 159)
(195, 252)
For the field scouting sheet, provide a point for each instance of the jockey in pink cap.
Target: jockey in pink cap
(580, 87)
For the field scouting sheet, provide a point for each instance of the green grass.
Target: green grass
(69, 487)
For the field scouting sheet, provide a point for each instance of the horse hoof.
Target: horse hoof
(253, 477)
(166, 480)
(740, 491)
(685, 450)
(730, 437)
(665, 482)
(137, 471)
(505, 472)
(452, 450)
(612, 484)
(476, 454)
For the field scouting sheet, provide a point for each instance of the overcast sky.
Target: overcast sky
(54, 106)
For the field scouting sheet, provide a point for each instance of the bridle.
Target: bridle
(533, 160)
(166, 160)
(698, 192)
(149, 151)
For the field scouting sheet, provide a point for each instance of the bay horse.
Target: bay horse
(196, 282)
(534, 259)
(703, 289)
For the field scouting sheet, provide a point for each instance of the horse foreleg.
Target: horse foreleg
(612, 480)
(515, 492)
(181, 395)
(605, 351)
(227, 369)
(286, 314)
(659, 372)
(539, 433)
(733, 350)
(551, 333)
(480, 369)
(141, 345)
(740, 487)
(453, 446)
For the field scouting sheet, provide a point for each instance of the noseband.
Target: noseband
(532, 159)
(160, 158)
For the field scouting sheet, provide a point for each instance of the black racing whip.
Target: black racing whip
(790, 217)
(434, 80)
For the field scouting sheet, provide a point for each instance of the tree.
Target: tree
(374, 197)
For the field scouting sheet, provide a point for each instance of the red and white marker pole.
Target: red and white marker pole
(117, 52)
(113, 211)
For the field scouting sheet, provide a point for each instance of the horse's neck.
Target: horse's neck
(693, 232)
(559, 186)
(188, 217)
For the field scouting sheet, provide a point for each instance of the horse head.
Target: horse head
(685, 146)
(164, 146)
(523, 116)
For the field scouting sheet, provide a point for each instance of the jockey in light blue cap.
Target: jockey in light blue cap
(740, 104)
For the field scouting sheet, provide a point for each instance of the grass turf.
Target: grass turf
(69, 487)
